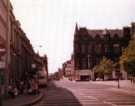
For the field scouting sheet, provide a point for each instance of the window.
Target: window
(90, 48)
(98, 48)
(84, 63)
(83, 48)
(77, 49)
(116, 48)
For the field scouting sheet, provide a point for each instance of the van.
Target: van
(42, 78)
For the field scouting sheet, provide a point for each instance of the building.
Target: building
(68, 68)
(21, 54)
(16, 52)
(61, 73)
(5, 8)
(90, 45)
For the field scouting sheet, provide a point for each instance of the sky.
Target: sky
(50, 24)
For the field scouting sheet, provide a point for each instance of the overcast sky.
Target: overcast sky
(51, 23)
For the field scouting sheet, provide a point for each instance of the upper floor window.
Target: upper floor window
(89, 48)
(83, 48)
(98, 48)
(77, 49)
(84, 63)
(116, 48)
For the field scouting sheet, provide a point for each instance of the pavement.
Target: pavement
(23, 100)
(71, 93)
(125, 86)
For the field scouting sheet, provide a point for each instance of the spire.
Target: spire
(76, 27)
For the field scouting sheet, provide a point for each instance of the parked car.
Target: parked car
(42, 78)
(99, 79)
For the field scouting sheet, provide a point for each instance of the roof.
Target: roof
(101, 32)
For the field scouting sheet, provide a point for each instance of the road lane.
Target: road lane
(66, 93)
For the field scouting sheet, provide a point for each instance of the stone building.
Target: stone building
(68, 68)
(21, 53)
(5, 8)
(90, 45)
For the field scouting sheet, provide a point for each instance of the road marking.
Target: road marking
(109, 103)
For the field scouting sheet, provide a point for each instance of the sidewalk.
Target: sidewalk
(125, 86)
(23, 100)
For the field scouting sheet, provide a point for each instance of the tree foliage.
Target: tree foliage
(105, 67)
(128, 57)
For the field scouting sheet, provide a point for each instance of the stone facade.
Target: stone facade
(3, 19)
(5, 8)
(90, 45)
(68, 68)
(19, 54)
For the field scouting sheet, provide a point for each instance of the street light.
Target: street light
(118, 74)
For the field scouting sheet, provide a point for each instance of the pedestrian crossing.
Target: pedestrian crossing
(122, 101)
(69, 94)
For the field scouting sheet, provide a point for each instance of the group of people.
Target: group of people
(24, 87)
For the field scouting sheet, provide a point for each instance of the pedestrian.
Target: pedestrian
(35, 87)
(10, 91)
(131, 79)
(21, 87)
(30, 88)
(15, 90)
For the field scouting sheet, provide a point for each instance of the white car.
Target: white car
(42, 79)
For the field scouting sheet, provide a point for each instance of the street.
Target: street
(66, 93)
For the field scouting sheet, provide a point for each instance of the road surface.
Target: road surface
(68, 93)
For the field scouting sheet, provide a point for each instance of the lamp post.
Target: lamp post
(118, 74)
(90, 77)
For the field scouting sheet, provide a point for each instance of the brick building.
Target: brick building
(90, 45)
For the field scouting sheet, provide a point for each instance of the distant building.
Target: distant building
(90, 45)
(68, 68)
(61, 73)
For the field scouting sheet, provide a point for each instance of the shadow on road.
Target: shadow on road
(58, 96)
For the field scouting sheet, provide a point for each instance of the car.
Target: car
(99, 79)
(42, 79)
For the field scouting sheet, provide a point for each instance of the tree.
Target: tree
(127, 58)
(105, 67)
